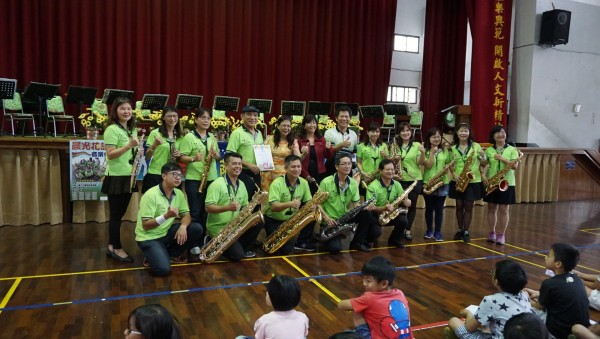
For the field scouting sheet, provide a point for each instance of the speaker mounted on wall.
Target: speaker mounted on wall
(555, 27)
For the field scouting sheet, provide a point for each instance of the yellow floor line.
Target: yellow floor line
(525, 249)
(11, 291)
(514, 258)
(590, 229)
(586, 231)
(328, 292)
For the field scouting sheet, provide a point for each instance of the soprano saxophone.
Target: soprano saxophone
(342, 225)
(437, 180)
(236, 227)
(207, 162)
(387, 216)
(137, 162)
(498, 181)
(289, 228)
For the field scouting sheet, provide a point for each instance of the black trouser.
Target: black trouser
(434, 205)
(245, 242)
(368, 228)
(397, 234)
(271, 225)
(117, 206)
(334, 245)
(196, 200)
(413, 196)
(251, 180)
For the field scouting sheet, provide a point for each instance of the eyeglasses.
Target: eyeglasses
(171, 116)
(129, 331)
(176, 175)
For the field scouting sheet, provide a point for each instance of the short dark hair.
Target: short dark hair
(380, 268)
(385, 162)
(373, 126)
(431, 132)
(512, 278)
(289, 159)
(567, 254)
(169, 167)
(463, 125)
(306, 120)
(113, 116)
(340, 155)
(229, 155)
(525, 326)
(154, 321)
(284, 292)
(343, 108)
(495, 130)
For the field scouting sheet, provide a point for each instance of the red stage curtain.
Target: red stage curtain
(325, 50)
(444, 48)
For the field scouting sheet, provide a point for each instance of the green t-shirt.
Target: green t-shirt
(118, 137)
(154, 203)
(279, 191)
(161, 154)
(220, 193)
(440, 160)
(494, 166)
(370, 156)
(461, 158)
(190, 146)
(337, 203)
(384, 195)
(242, 142)
(410, 169)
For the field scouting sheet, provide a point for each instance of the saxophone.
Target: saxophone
(293, 225)
(466, 176)
(397, 161)
(236, 227)
(437, 180)
(498, 181)
(342, 225)
(207, 163)
(137, 162)
(385, 217)
(365, 180)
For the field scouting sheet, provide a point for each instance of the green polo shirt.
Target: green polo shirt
(161, 154)
(440, 160)
(280, 191)
(242, 142)
(220, 193)
(119, 137)
(154, 203)
(190, 146)
(461, 158)
(337, 203)
(371, 156)
(384, 195)
(494, 166)
(409, 162)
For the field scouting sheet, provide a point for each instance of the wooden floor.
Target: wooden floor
(56, 282)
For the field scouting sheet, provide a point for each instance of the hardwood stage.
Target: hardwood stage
(56, 282)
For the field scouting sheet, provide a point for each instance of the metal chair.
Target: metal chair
(389, 125)
(13, 110)
(416, 123)
(56, 112)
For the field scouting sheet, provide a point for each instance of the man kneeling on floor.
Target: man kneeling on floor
(163, 241)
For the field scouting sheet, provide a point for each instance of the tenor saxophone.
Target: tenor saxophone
(230, 233)
(137, 162)
(289, 228)
(387, 216)
(466, 176)
(342, 225)
(207, 163)
(498, 181)
(437, 180)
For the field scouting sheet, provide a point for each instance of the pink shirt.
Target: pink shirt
(279, 325)
(386, 313)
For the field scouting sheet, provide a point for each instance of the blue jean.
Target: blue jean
(158, 251)
(434, 205)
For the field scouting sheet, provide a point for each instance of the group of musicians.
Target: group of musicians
(390, 179)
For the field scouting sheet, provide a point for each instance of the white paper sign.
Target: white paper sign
(264, 157)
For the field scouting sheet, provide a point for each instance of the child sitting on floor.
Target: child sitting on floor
(592, 288)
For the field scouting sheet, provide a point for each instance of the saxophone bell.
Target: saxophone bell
(503, 185)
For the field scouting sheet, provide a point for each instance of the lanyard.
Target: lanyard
(230, 187)
(203, 141)
(501, 152)
(336, 180)
(292, 190)
(464, 155)
(130, 134)
(169, 200)
(388, 188)
(253, 135)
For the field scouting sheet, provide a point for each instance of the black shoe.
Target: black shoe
(308, 247)
(395, 243)
(458, 235)
(359, 247)
(116, 257)
(466, 237)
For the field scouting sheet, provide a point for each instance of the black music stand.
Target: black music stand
(188, 102)
(81, 95)
(7, 91)
(154, 102)
(318, 108)
(396, 109)
(372, 112)
(111, 94)
(263, 105)
(353, 107)
(227, 104)
(41, 92)
(293, 107)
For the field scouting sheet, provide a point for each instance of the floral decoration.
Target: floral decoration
(153, 117)
(92, 119)
(188, 122)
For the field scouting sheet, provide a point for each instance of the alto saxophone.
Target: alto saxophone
(342, 225)
(387, 216)
(466, 176)
(207, 163)
(498, 181)
(437, 180)
(397, 162)
(289, 228)
(236, 227)
(137, 162)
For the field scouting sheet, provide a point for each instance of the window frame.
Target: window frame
(406, 95)
(406, 45)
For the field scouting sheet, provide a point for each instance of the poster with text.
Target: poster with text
(87, 166)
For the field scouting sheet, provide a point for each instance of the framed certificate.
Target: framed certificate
(264, 157)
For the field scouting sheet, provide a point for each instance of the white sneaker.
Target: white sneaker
(195, 250)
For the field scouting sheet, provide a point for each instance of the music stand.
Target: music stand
(317, 108)
(81, 95)
(292, 107)
(7, 91)
(263, 105)
(41, 92)
(154, 102)
(227, 104)
(111, 94)
(373, 111)
(188, 102)
(353, 107)
(396, 109)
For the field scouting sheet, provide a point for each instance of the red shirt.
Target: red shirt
(322, 154)
(386, 313)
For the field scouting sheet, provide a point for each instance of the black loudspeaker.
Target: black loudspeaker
(555, 27)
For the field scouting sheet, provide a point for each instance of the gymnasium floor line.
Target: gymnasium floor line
(316, 277)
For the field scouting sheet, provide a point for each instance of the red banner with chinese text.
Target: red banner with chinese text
(490, 22)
